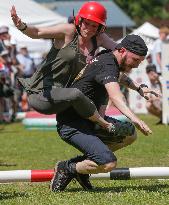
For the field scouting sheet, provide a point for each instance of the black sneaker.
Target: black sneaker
(61, 177)
(120, 128)
(83, 180)
(112, 129)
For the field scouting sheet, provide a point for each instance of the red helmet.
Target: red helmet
(93, 11)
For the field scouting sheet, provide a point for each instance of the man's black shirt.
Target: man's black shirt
(91, 82)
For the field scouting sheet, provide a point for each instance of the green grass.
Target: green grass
(23, 149)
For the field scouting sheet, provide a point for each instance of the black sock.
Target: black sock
(71, 164)
(78, 159)
(70, 167)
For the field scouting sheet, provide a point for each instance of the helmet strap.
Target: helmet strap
(77, 26)
(100, 29)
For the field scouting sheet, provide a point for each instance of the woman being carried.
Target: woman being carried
(47, 89)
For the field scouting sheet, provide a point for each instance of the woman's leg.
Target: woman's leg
(59, 99)
(125, 134)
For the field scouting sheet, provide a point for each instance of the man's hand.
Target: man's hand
(145, 92)
(141, 125)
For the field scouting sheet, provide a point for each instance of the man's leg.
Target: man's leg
(99, 157)
(65, 171)
(90, 167)
(83, 179)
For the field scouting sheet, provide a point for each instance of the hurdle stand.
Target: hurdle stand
(116, 174)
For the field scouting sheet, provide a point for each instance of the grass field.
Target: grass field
(23, 149)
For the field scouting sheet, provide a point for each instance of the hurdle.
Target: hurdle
(116, 174)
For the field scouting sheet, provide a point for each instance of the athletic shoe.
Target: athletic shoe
(120, 128)
(83, 180)
(112, 129)
(61, 177)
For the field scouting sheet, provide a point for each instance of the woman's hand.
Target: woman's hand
(16, 20)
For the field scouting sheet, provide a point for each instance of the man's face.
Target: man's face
(88, 28)
(4, 36)
(153, 76)
(129, 61)
(163, 36)
(24, 51)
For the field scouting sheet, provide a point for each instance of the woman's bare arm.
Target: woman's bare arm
(106, 42)
(44, 32)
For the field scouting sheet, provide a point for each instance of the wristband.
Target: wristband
(141, 86)
(25, 27)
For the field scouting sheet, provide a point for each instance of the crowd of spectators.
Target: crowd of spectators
(15, 61)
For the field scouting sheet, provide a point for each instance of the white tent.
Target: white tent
(148, 32)
(147, 29)
(33, 14)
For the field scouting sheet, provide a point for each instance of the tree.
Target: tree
(142, 10)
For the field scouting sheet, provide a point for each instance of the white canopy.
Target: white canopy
(147, 29)
(33, 14)
(148, 32)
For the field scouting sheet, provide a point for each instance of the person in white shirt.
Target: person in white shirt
(154, 105)
(157, 49)
(26, 61)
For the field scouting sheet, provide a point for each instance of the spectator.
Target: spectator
(154, 104)
(6, 91)
(149, 58)
(7, 43)
(26, 61)
(26, 69)
(157, 49)
(3, 36)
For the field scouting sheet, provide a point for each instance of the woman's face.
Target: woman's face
(88, 28)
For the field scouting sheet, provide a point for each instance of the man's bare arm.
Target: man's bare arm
(128, 82)
(116, 97)
(142, 89)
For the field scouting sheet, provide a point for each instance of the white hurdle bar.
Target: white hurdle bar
(116, 174)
